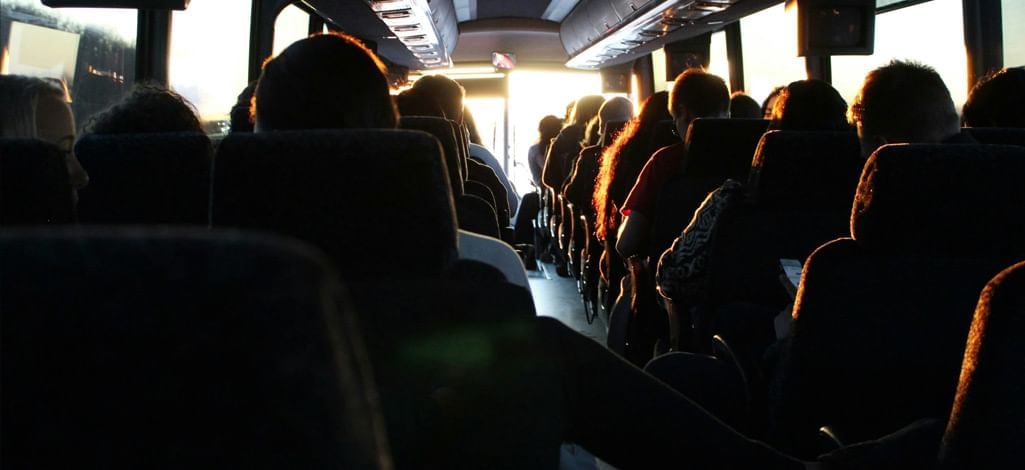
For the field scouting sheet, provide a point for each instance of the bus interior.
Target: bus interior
(422, 295)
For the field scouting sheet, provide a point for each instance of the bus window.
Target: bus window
(902, 34)
(719, 62)
(291, 25)
(210, 75)
(91, 49)
(1013, 15)
(769, 41)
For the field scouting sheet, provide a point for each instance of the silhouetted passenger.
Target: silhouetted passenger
(580, 185)
(548, 128)
(997, 100)
(567, 145)
(696, 94)
(146, 108)
(743, 106)
(448, 92)
(904, 102)
(37, 108)
(809, 105)
(770, 102)
(413, 102)
(242, 112)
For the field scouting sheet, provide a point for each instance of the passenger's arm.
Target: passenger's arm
(633, 234)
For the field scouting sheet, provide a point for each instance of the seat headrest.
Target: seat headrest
(943, 199)
(443, 130)
(377, 201)
(988, 417)
(723, 146)
(797, 170)
(157, 178)
(184, 349)
(34, 185)
(997, 135)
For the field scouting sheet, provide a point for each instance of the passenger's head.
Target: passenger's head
(414, 102)
(448, 92)
(903, 102)
(37, 108)
(615, 109)
(743, 106)
(242, 112)
(548, 128)
(997, 100)
(770, 102)
(585, 109)
(327, 81)
(809, 105)
(697, 94)
(146, 108)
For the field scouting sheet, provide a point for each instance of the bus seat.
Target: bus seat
(881, 319)
(665, 135)
(476, 188)
(997, 135)
(717, 149)
(34, 184)
(800, 191)
(145, 178)
(988, 419)
(483, 174)
(476, 215)
(376, 201)
(184, 349)
(441, 130)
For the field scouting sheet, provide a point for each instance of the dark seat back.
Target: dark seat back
(442, 129)
(34, 184)
(800, 192)
(717, 149)
(997, 135)
(988, 419)
(881, 319)
(179, 350)
(665, 135)
(376, 201)
(145, 178)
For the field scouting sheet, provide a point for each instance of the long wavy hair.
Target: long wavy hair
(622, 161)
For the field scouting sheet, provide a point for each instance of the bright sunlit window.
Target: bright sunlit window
(291, 25)
(211, 73)
(903, 34)
(1013, 16)
(769, 41)
(719, 62)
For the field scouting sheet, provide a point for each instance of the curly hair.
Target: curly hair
(622, 161)
(146, 108)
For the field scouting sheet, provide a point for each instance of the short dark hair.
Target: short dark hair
(416, 102)
(327, 81)
(449, 93)
(743, 106)
(809, 105)
(549, 127)
(905, 101)
(146, 108)
(997, 100)
(700, 94)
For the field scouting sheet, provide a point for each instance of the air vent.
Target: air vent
(409, 28)
(395, 14)
(418, 27)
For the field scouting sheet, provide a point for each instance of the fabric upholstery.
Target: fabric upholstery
(876, 343)
(943, 200)
(179, 350)
(376, 201)
(34, 184)
(988, 419)
(145, 178)
(477, 215)
(795, 170)
(997, 135)
(717, 149)
(442, 130)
